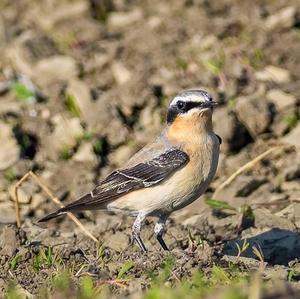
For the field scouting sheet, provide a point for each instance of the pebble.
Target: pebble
(281, 99)
(293, 137)
(9, 150)
(118, 20)
(273, 73)
(284, 18)
(254, 113)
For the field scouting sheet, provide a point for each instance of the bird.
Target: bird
(165, 175)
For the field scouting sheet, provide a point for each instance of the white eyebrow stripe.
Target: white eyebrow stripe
(190, 98)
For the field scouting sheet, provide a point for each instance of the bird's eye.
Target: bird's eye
(180, 105)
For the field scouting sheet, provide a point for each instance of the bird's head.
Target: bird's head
(191, 104)
(190, 112)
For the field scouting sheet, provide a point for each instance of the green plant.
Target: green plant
(66, 153)
(14, 261)
(22, 92)
(218, 205)
(124, 269)
(215, 65)
(10, 175)
(291, 119)
(72, 106)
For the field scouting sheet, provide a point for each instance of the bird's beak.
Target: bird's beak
(209, 104)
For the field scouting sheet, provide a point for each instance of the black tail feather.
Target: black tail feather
(52, 215)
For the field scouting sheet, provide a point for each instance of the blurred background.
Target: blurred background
(85, 84)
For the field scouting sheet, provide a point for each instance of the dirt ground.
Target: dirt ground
(85, 84)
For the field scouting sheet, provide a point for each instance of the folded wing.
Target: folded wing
(120, 182)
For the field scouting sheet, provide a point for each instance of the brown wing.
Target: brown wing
(142, 175)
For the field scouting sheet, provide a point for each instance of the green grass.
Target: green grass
(216, 64)
(72, 105)
(291, 119)
(22, 92)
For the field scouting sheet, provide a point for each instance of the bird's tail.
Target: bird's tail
(78, 205)
(52, 215)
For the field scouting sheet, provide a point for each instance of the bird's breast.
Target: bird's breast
(199, 172)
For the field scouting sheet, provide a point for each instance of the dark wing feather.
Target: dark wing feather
(142, 175)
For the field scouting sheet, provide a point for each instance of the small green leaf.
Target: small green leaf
(13, 263)
(218, 205)
(125, 268)
(22, 92)
(72, 105)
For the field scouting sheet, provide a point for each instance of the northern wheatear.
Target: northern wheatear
(164, 176)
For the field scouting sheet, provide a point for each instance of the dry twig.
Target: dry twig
(51, 196)
(247, 167)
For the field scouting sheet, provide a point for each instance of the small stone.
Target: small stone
(118, 20)
(9, 149)
(121, 74)
(234, 135)
(264, 218)
(55, 68)
(24, 197)
(293, 137)
(7, 212)
(121, 155)
(285, 18)
(273, 73)
(64, 137)
(82, 96)
(281, 99)
(8, 241)
(195, 221)
(85, 153)
(254, 113)
(292, 172)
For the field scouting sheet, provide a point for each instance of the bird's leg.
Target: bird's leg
(136, 229)
(159, 230)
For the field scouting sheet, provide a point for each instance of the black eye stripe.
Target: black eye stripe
(174, 110)
(191, 105)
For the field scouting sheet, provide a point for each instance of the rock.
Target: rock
(276, 273)
(279, 246)
(82, 96)
(284, 18)
(66, 132)
(7, 212)
(282, 100)
(85, 153)
(119, 20)
(292, 172)
(293, 137)
(273, 73)
(118, 241)
(121, 74)
(234, 135)
(55, 68)
(9, 149)
(121, 154)
(24, 197)
(265, 219)
(254, 113)
(48, 18)
(195, 221)
(8, 241)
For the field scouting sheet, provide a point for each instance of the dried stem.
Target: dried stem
(51, 196)
(246, 167)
